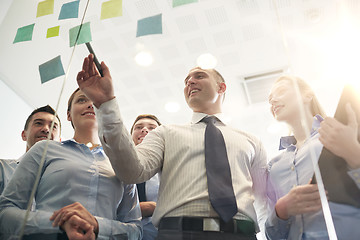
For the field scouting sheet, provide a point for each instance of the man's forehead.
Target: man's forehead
(44, 116)
(146, 120)
(198, 69)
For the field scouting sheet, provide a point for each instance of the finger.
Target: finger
(57, 220)
(105, 70)
(92, 68)
(352, 122)
(85, 66)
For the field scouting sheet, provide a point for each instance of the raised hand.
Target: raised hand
(300, 199)
(98, 89)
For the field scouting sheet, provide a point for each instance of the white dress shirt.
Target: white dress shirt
(178, 152)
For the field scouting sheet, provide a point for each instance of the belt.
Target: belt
(244, 227)
(43, 236)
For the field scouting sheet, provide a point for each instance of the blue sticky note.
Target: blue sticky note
(69, 10)
(177, 3)
(51, 69)
(150, 25)
(24, 33)
(83, 37)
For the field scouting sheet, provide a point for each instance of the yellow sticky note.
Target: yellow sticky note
(53, 32)
(45, 8)
(110, 9)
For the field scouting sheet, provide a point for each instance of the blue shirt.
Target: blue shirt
(71, 173)
(151, 191)
(7, 168)
(294, 167)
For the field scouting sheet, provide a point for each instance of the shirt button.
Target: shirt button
(294, 185)
(292, 168)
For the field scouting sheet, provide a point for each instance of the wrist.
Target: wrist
(280, 209)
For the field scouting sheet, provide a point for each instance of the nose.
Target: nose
(90, 105)
(46, 128)
(145, 130)
(190, 81)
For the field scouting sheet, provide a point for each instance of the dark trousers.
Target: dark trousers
(199, 235)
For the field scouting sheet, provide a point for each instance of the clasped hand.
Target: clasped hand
(76, 221)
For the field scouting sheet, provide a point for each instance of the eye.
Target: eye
(82, 100)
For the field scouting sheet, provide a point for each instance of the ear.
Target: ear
(222, 87)
(23, 135)
(68, 116)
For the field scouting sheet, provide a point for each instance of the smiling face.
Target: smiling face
(203, 91)
(39, 127)
(285, 105)
(81, 112)
(141, 128)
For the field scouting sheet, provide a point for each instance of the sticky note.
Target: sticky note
(53, 32)
(51, 69)
(150, 25)
(24, 33)
(84, 36)
(110, 9)
(45, 8)
(69, 10)
(177, 3)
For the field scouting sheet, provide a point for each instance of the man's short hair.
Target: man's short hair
(145, 116)
(46, 109)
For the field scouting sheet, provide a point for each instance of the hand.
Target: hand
(76, 209)
(300, 199)
(78, 229)
(147, 208)
(340, 139)
(98, 89)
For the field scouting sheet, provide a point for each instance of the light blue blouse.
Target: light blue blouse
(71, 173)
(291, 168)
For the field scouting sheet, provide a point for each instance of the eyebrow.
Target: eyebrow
(197, 71)
(43, 120)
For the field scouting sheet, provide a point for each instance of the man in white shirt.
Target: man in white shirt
(183, 209)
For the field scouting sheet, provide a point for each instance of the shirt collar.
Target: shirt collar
(75, 142)
(290, 141)
(197, 116)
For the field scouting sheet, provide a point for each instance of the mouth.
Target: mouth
(276, 108)
(42, 137)
(193, 91)
(88, 114)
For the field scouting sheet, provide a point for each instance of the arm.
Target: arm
(259, 176)
(147, 208)
(114, 137)
(300, 200)
(14, 201)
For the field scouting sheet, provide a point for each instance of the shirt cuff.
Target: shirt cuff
(104, 228)
(276, 225)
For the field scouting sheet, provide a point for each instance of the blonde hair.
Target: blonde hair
(304, 88)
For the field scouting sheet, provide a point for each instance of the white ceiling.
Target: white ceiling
(315, 39)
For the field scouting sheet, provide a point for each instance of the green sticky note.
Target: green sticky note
(83, 37)
(53, 32)
(51, 69)
(24, 33)
(110, 9)
(45, 8)
(177, 3)
(69, 10)
(150, 25)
